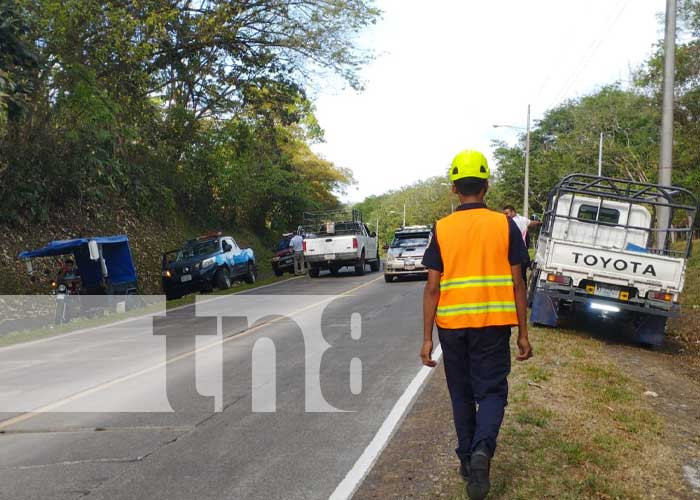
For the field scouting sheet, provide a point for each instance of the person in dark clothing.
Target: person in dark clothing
(475, 294)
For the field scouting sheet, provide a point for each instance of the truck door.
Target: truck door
(238, 257)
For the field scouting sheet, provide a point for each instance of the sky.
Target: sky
(446, 71)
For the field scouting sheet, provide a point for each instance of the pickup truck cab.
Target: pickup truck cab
(599, 252)
(204, 263)
(338, 244)
(405, 253)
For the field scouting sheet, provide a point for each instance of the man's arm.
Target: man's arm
(431, 296)
(521, 308)
(534, 223)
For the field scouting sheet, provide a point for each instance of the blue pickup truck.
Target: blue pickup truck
(204, 263)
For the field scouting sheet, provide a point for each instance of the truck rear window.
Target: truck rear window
(606, 215)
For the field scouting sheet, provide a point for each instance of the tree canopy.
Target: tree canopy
(161, 104)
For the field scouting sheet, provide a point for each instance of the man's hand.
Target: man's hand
(524, 347)
(425, 353)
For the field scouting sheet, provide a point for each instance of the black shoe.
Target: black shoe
(479, 467)
(464, 469)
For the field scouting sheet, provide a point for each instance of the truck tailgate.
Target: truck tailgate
(329, 246)
(617, 265)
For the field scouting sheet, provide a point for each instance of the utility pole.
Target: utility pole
(527, 166)
(666, 160)
(600, 156)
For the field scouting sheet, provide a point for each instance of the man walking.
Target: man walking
(475, 293)
(524, 225)
(297, 244)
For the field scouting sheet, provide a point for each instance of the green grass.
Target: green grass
(580, 432)
(691, 289)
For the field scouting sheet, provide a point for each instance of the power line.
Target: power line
(591, 51)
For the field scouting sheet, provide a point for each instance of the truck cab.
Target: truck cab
(204, 263)
(600, 252)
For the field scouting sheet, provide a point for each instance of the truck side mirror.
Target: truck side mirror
(372, 234)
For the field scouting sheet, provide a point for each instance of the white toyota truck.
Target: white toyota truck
(599, 251)
(339, 239)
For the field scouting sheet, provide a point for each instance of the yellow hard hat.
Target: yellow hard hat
(469, 163)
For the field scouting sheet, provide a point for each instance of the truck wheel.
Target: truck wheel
(374, 265)
(314, 271)
(278, 272)
(650, 330)
(360, 265)
(534, 278)
(172, 295)
(222, 278)
(388, 278)
(250, 275)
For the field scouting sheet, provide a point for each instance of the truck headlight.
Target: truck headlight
(390, 257)
(208, 262)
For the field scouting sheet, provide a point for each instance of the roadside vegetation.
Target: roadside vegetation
(685, 331)
(174, 114)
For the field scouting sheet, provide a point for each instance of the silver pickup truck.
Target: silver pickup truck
(599, 252)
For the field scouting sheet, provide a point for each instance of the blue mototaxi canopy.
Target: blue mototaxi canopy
(115, 251)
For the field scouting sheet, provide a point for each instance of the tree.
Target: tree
(161, 103)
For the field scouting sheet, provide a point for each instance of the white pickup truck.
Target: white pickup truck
(597, 252)
(338, 244)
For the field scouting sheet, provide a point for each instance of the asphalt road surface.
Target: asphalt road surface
(127, 414)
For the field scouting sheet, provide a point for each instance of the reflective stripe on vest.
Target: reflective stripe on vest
(474, 281)
(476, 287)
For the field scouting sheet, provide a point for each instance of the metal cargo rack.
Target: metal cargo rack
(312, 221)
(633, 193)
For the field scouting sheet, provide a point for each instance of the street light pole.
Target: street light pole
(666, 160)
(600, 156)
(527, 166)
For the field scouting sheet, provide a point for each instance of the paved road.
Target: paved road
(108, 433)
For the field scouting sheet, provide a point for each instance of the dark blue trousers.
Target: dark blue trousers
(477, 364)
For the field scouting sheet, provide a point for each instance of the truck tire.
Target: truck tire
(388, 278)
(314, 271)
(360, 265)
(534, 279)
(374, 265)
(172, 295)
(222, 278)
(278, 272)
(650, 330)
(250, 274)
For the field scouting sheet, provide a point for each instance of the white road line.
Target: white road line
(136, 318)
(347, 487)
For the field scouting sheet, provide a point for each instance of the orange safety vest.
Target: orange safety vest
(476, 286)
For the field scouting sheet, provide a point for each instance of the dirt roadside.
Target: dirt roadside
(581, 423)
